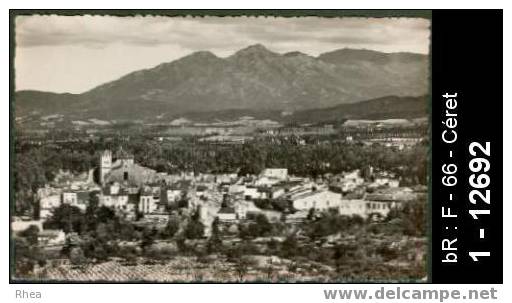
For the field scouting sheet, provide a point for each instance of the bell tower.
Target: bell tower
(105, 164)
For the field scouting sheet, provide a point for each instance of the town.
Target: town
(141, 194)
(124, 213)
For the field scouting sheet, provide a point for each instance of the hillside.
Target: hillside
(389, 107)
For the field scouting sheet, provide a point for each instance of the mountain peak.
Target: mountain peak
(199, 58)
(255, 49)
(295, 54)
(202, 55)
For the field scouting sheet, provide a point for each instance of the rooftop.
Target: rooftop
(226, 210)
(307, 194)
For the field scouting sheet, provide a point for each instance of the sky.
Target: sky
(77, 53)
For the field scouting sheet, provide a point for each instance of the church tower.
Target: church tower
(105, 164)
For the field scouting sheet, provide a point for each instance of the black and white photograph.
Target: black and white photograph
(220, 149)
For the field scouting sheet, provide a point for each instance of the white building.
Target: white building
(21, 225)
(119, 201)
(76, 198)
(266, 181)
(354, 176)
(348, 182)
(48, 204)
(69, 198)
(227, 214)
(114, 196)
(320, 200)
(173, 195)
(272, 176)
(364, 208)
(51, 237)
(241, 211)
(276, 192)
(148, 202)
(347, 186)
(236, 188)
(275, 173)
(251, 193)
(393, 183)
(201, 190)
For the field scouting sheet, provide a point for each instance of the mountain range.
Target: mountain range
(252, 79)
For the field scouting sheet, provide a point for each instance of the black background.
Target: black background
(467, 57)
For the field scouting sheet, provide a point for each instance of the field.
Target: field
(214, 269)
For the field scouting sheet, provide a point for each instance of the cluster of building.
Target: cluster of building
(129, 188)
(347, 194)
(145, 196)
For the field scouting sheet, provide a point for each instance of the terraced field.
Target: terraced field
(183, 269)
(190, 269)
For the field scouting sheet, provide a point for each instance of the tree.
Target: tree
(261, 227)
(25, 258)
(37, 210)
(311, 214)
(77, 257)
(105, 214)
(126, 231)
(343, 253)
(414, 218)
(90, 217)
(66, 217)
(183, 200)
(31, 234)
(264, 226)
(331, 223)
(148, 238)
(411, 217)
(289, 247)
(172, 227)
(26, 252)
(194, 230)
(215, 242)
